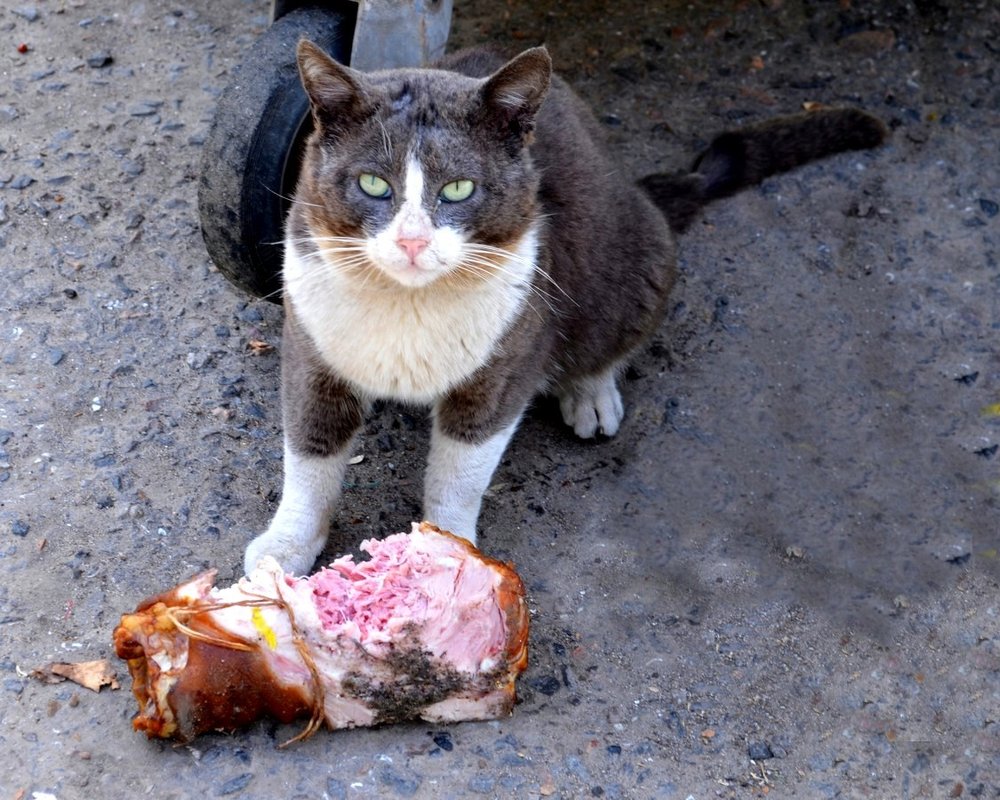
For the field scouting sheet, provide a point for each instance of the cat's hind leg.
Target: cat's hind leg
(592, 404)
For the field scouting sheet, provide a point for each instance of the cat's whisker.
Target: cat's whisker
(275, 293)
(341, 240)
(485, 268)
(484, 250)
(292, 200)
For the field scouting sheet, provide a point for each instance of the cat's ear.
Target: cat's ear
(512, 95)
(335, 92)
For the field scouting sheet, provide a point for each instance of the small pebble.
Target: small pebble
(21, 182)
(56, 356)
(146, 109)
(759, 751)
(199, 360)
(29, 13)
(443, 740)
(99, 59)
(19, 527)
(132, 167)
(546, 684)
(989, 207)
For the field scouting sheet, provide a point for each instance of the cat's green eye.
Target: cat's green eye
(456, 191)
(374, 186)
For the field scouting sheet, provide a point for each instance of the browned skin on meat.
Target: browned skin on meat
(220, 688)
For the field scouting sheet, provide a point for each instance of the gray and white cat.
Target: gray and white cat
(460, 239)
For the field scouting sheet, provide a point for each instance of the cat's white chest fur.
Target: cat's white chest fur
(408, 344)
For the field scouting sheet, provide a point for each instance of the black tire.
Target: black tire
(253, 149)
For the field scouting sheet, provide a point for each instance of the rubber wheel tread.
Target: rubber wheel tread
(251, 153)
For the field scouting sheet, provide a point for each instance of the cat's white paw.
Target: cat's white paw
(592, 405)
(295, 549)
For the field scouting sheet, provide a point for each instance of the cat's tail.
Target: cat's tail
(744, 157)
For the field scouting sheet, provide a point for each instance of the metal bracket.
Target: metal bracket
(400, 33)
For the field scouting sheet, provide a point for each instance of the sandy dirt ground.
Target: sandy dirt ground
(779, 579)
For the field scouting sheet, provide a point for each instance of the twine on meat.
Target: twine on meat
(179, 614)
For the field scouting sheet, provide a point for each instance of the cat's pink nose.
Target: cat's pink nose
(412, 247)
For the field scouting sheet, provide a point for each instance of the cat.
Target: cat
(460, 239)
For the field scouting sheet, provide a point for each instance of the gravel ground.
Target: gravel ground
(779, 579)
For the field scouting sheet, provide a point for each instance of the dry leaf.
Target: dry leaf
(90, 674)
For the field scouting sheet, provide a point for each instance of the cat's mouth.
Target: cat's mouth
(412, 274)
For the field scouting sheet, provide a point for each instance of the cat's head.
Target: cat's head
(420, 175)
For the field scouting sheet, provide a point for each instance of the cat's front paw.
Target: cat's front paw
(292, 549)
(592, 405)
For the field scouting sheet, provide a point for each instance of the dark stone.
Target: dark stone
(967, 380)
(546, 684)
(56, 356)
(146, 109)
(403, 785)
(99, 59)
(990, 208)
(132, 167)
(21, 182)
(759, 751)
(443, 740)
(250, 314)
(614, 749)
(19, 527)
